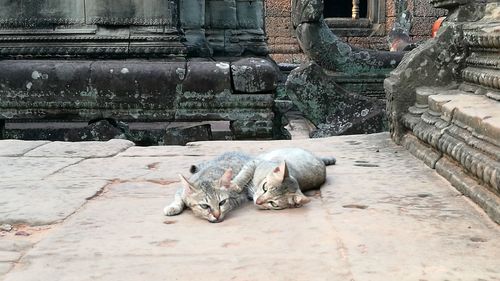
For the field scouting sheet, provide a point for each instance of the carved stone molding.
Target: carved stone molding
(36, 13)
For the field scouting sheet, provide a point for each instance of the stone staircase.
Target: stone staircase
(452, 116)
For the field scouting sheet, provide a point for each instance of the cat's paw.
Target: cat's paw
(172, 210)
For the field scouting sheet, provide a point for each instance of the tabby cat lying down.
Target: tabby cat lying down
(209, 192)
(274, 180)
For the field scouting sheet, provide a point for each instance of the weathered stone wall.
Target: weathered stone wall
(284, 46)
(193, 61)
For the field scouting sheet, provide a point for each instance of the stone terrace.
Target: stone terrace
(93, 211)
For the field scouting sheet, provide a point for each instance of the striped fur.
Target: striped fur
(276, 180)
(209, 192)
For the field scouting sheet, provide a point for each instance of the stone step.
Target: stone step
(423, 94)
(462, 126)
(476, 113)
(485, 77)
(483, 34)
(484, 60)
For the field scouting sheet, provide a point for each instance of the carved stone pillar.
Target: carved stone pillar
(251, 26)
(192, 20)
(235, 27)
(221, 20)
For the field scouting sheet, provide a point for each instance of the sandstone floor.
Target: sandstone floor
(93, 211)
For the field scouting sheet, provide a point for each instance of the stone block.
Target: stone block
(9, 256)
(184, 134)
(135, 12)
(424, 9)
(81, 149)
(278, 8)
(254, 75)
(43, 202)
(420, 150)
(102, 130)
(284, 49)
(206, 77)
(250, 14)
(372, 42)
(14, 168)
(285, 40)
(448, 3)
(137, 87)
(281, 26)
(486, 199)
(5, 267)
(192, 14)
(41, 13)
(42, 85)
(18, 147)
(221, 14)
(422, 26)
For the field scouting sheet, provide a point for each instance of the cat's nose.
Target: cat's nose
(259, 201)
(216, 214)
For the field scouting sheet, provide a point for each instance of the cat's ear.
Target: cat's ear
(225, 180)
(300, 199)
(281, 171)
(188, 188)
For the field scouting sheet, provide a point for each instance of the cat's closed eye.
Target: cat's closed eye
(222, 202)
(264, 187)
(204, 206)
(273, 204)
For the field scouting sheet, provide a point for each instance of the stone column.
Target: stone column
(221, 22)
(251, 33)
(192, 19)
(236, 27)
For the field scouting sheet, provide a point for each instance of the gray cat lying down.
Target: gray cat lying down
(209, 192)
(276, 180)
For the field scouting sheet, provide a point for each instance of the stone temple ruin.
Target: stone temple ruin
(74, 62)
(135, 61)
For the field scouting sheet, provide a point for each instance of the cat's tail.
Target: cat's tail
(328, 160)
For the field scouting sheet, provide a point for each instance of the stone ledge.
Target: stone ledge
(12, 148)
(457, 133)
(468, 186)
(232, 89)
(451, 171)
(476, 113)
(81, 150)
(478, 159)
(421, 150)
